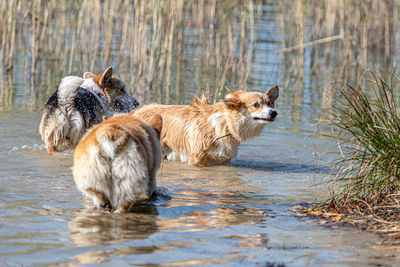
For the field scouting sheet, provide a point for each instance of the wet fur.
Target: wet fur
(206, 134)
(72, 109)
(116, 162)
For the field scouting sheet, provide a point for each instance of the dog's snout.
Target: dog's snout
(273, 113)
(126, 103)
(133, 103)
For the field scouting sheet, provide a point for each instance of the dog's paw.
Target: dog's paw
(106, 206)
(51, 149)
(118, 211)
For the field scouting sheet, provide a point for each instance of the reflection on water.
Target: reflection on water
(168, 51)
(223, 210)
(187, 211)
(92, 228)
(211, 215)
(232, 215)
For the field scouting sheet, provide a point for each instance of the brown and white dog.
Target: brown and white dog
(78, 104)
(209, 134)
(117, 160)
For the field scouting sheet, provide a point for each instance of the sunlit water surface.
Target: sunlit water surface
(234, 215)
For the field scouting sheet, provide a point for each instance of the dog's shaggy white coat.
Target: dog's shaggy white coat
(68, 121)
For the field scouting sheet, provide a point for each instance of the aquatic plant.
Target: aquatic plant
(369, 170)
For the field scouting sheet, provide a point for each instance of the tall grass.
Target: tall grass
(370, 125)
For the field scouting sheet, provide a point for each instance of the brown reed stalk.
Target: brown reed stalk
(179, 89)
(199, 10)
(12, 21)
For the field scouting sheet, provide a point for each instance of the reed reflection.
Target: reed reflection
(96, 228)
(209, 211)
(208, 198)
(91, 227)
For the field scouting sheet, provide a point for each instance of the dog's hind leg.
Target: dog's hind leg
(51, 148)
(200, 160)
(99, 199)
(124, 207)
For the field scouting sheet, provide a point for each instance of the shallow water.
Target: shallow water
(233, 215)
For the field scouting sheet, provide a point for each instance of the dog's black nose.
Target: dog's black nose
(273, 113)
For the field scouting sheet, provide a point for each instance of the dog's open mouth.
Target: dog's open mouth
(263, 119)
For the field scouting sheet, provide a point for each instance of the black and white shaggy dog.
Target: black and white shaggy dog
(78, 104)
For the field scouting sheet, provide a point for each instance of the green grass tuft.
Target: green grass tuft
(369, 124)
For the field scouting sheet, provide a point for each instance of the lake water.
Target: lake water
(233, 215)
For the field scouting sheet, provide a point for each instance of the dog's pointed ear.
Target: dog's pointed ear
(156, 123)
(104, 77)
(88, 75)
(272, 94)
(232, 101)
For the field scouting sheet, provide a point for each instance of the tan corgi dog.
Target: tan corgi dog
(208, 134)
(116, 161)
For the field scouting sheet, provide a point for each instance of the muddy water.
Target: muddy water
(233, 215)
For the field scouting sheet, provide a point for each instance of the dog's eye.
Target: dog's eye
(256, 105)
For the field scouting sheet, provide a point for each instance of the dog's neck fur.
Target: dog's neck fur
(235, 132)
(245, 131)
(91, 85)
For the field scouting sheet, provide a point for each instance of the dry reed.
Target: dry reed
(168, 51)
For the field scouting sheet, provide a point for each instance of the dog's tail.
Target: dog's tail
(53, 128)
(59, 120)
(67, 89)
